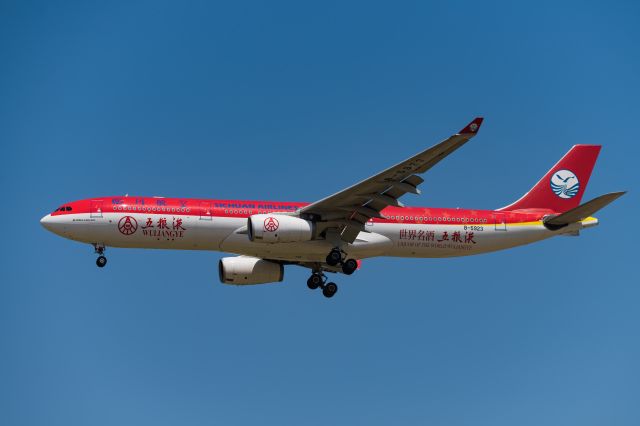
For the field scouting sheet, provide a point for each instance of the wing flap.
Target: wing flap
(414, 180)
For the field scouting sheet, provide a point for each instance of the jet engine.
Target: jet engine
(245, 270)
(272, 228)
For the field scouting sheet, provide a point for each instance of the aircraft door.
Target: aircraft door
(500, 221)
(95, 209)
(205, 211)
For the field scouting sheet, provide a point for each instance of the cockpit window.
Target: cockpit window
(68, 208)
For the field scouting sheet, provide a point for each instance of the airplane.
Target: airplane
(334, 234)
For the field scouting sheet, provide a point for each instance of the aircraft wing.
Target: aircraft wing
(352, 207)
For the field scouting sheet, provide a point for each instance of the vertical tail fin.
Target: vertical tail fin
(562, 187)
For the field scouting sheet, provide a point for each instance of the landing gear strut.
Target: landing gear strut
(101, 261)
(334, 258)
(318, 279)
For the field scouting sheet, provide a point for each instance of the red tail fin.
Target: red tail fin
(562, 187)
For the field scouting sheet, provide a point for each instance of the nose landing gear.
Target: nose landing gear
(101, 261)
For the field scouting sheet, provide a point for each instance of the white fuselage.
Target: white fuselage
(228, 234)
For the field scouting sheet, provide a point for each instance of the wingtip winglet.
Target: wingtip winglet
(473, 127)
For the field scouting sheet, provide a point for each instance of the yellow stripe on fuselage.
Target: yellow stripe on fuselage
(587, 220)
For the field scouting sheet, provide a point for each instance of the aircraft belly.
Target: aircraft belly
(366, 245)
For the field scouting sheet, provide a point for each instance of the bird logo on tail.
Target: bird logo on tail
(565, 184)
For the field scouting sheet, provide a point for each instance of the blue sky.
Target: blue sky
(292, 101)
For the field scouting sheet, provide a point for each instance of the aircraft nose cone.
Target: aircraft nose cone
(55, 224)
(47, 222)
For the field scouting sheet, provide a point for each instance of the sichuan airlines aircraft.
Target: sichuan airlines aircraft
(333, 234)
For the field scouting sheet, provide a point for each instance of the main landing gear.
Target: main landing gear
(335, 257)
(318, 279)
(101, 261)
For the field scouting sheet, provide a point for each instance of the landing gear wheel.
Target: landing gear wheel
(329, 289)
(334, 257)
(314, 281)
(349, 266)
(101, 261)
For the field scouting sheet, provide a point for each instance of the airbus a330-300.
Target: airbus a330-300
(334, 234)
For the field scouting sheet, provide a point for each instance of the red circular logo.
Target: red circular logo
(271, 224)
(127, 225)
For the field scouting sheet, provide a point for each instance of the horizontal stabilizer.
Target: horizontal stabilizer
(582, 211)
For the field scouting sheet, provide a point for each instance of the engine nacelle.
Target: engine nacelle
(273, 228)
(245, 270)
